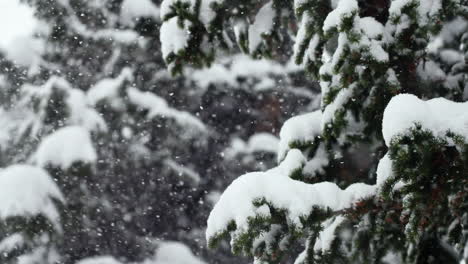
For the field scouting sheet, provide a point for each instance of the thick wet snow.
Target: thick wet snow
(28, 191)
(281, 192)
(64, 147)
(437, 115)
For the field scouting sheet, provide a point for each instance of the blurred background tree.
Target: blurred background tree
(140, 156)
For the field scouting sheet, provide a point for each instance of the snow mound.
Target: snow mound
(437, 115)
(298, 198)
(174, 38)
(385, 172)
(344, 9)
(302, 129)
(28, 191)
(175, 253)
(65, 147)
(263, 142)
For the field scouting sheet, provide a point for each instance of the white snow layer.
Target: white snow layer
(385, 172)
(263, 25)
(206, 13)
(28, 191)
(183, 170)
(108, 88)
(371, 27)
(235, 204)
(174, 253)
(78, 109)
(12, 242)
(173, 37)
(158, 106)
(402, 113)
(317, 164)
(344, 9)
(64, 147)
(17, 25)
(265, 142)
(437, 115)
(260, 142)
(81, 113)
(302, 128)
(426, 8)
(237, 66)
(327, 235)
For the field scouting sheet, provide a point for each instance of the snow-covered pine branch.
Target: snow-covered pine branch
(363, 54)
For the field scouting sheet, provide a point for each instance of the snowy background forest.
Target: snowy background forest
(106, 157)
(233, 131)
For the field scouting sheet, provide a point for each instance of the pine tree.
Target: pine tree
(30, 222)
(137, 154)
(379, 173)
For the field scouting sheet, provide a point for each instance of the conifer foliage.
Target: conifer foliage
(106, 158)
(393, 78)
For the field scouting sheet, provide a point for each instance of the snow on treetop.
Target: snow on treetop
(438, 115)
(281, 192)
(158, 106)
(260, 142)
(108, 88)
(371, 27)
(173, 38)
(206, 13)
(99, 260)
(174, 253)
(300, 129)
(326, 236)
(26, 190)
(64, 147)
(263, 142)
(230, 69)
(78, 110)
(12, 242)
(344, 9)
(134, 9)
(426, 8)
(83, 114)
(263, 24)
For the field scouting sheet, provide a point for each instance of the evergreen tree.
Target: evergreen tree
(137, 154)
(379, 173)
(30, 223)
